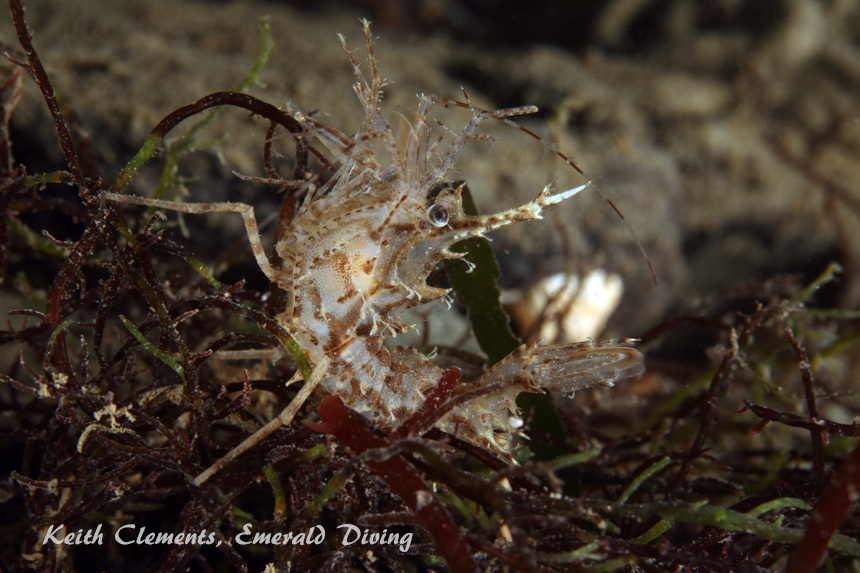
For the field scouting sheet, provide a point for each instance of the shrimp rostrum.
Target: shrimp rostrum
(357, 255)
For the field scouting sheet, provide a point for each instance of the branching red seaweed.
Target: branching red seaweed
(134, 372)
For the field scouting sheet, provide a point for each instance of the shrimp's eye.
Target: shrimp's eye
(438, 215)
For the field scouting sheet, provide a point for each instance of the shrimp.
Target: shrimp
(357, 255)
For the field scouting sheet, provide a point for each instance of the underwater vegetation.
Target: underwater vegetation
(150, 391)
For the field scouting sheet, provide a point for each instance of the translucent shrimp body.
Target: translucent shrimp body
(358, 254)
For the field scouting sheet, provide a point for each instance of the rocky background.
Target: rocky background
(726, 132)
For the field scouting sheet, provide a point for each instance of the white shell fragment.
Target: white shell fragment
(558, 309)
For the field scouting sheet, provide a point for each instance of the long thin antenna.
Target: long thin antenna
(503, 115)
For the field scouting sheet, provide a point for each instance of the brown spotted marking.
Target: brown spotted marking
(373, 244)
(357, 255)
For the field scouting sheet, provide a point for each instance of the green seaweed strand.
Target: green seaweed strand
(479, 293)
(649, 471)
(151, 144)
(161, 355)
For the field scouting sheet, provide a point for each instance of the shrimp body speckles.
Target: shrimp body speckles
(358, 254)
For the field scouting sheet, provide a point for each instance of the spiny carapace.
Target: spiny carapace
(357, 255)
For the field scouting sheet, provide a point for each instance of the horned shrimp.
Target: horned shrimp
(357, 255)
